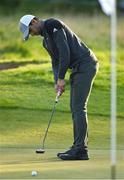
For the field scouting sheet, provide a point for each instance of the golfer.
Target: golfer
(67, 51)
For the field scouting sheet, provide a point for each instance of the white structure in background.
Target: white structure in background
(109, 7)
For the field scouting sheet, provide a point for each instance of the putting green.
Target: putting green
(17, 163)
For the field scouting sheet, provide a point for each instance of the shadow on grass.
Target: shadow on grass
(19, 108)
(30, 109)
(50, 159)
(39, 82)
(13, 65)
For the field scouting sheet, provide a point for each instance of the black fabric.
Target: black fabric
(81, 81)
(65, 48)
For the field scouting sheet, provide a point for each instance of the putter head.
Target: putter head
(40, 151)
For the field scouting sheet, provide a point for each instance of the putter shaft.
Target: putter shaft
(54, 107)
(48, 125)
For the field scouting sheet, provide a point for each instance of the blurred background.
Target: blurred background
(53, 6)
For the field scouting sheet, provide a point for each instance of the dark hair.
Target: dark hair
(36, 18)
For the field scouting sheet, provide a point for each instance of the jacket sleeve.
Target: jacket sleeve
(64, 52)
(55, 67)
(55, 64)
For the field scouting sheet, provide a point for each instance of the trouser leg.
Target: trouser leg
(81, 84)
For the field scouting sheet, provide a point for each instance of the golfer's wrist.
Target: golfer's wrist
(62, 80)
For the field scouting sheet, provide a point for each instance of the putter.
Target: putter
(42, 150)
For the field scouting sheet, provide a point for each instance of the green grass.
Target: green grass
(18, 164)
(25, 128)
(27, 96)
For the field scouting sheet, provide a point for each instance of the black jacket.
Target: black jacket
(65, 48)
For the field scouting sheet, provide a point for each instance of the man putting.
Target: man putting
(67, 51)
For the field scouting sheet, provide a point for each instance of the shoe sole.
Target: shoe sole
(59, 154)
(73, 158)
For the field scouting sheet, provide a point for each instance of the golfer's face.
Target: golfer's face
(33, 30)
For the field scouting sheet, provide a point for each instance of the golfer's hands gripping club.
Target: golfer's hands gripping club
(60, 88)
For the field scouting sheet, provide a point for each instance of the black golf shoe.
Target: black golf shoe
(74, 154)
(66, 152)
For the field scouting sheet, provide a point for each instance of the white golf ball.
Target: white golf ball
(34, 173)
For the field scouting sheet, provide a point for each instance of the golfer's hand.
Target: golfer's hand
(60, 86)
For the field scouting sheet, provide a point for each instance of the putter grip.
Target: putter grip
(58, 95)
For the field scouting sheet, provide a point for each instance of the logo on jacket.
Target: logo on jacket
(54, 30)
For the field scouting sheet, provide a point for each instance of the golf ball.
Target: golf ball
(34, 173)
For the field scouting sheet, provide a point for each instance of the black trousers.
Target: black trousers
(81, 81)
